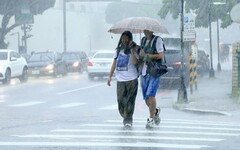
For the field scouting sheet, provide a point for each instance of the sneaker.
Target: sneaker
(150, 123)
(156, 118)
(127, 125)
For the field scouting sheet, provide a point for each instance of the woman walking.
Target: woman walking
(125, 65)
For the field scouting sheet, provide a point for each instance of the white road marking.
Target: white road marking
(27, 104)
(197, 121)
(163, 126)
(79, 89)
(107, 144)
(45, 121)
(146, 131)
(111, 107)
(180, 122)
(69, 105)
(119, 137)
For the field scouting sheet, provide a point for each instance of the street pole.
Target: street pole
(64, 27)
(211, 71)
(218, 65)
(18, 36)
(18, 42)
(182, 91)
(25, 38)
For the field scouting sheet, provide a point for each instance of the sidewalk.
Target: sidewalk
(212, 96)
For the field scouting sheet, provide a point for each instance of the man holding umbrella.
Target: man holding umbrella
(152, 50)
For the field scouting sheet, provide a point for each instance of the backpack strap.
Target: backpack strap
(143, 42)
(154, 44)
(155, 49)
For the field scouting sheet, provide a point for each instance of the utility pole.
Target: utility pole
(182, 92)
(18, 36)
(218, 65)
(211, 71)
(64, 27)
(25, 38)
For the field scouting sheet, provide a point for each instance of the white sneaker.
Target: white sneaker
(128, 125)
(150, 123)
(156, 117)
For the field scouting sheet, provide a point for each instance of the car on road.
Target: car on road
(100, 64)
(76, 60)
(173, 57)
(91, 53)
(48, 63)
(12, 65)
(203, 62)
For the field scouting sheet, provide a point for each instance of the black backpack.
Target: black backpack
(153, 46)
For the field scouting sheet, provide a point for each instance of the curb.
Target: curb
(183, 107)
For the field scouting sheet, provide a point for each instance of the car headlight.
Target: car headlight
(75, 64)
(50, 67)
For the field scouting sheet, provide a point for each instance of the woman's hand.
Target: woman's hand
(109, 81)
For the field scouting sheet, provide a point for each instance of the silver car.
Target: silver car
(100, 64)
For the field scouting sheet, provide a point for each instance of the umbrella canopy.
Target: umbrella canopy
(137, 25)
(235, 13)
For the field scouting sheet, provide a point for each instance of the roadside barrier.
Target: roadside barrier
(192, 73)
(195, 73)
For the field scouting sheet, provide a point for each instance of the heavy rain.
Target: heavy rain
(75, 74)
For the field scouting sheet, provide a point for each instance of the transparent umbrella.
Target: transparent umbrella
(137, 25)
(235, 13)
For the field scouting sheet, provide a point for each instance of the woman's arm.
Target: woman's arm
(111, 72)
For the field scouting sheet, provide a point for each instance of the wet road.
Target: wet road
(75, 113)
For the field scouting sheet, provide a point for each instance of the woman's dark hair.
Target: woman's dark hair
(119, 46)
(128, 34)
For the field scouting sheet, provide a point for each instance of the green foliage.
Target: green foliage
(14, 6)
(9, 8)
(201, 9)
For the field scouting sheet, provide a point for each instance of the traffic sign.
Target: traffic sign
(189, 23)
(189, 33)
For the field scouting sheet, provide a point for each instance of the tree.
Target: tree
(201, 9)
(9, 8)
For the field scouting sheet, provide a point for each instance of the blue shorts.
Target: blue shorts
(149, 86)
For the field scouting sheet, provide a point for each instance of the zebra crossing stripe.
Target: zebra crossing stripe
(146, 131)
(209, 122)
(139, 137)
(164, 126)
(105, 144)
(181, 122)
(111, 107)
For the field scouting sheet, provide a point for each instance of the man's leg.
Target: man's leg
(152, 88)
(151, 103)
